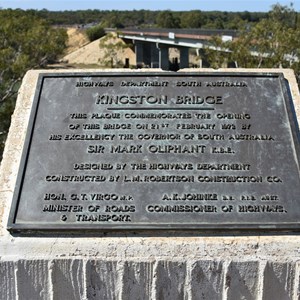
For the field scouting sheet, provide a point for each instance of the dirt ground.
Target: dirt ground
(82, 53)
(77, 39)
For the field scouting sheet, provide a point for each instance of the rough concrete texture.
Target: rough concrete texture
(190, 265)
(67, 278)
(173, 279)
(7, 280)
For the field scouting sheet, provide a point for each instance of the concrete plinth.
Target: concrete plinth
(152, 265)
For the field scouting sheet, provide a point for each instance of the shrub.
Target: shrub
(95, 32)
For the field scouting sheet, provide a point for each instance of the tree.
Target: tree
(241, 52)
(236, 23)
(112, 20)
(271, 43)
(113, 47)
(26, 42)
(166, 19)
(95, 32)
(217, 53)
(192, 19)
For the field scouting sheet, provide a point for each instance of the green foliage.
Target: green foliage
(236, 23)
(112, 47)
(285, 15)
(192, 19)
(6, 110)
(95, 32)
(273, 42)
(166, 19)
(241, 53)
(26, 42)
(112, 20)
(147, 18)
(217, 59)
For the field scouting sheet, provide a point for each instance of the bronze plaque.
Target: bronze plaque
(110, 151)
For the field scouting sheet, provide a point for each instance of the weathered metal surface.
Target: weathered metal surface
(159, 151)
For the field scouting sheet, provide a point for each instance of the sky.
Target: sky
(183, 5)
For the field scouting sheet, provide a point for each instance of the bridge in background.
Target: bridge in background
(152, 45)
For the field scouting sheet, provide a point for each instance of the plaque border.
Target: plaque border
(63, 228)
